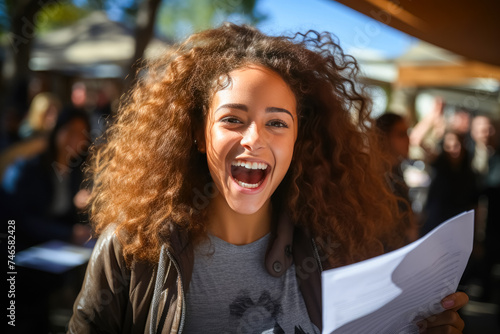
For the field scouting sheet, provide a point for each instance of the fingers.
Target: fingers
(446, 318)
(443, 330)
(455, 301)
(446, 322)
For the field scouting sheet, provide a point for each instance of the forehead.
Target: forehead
(256, 81)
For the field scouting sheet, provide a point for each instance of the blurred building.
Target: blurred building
(94, 47)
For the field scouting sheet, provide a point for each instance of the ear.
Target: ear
(202, 148)
(200, 143)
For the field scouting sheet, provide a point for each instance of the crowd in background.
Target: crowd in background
(461, 155)
(44, 146)
(41, 164)
(43, 150)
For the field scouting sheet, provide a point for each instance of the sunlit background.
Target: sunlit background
(86, 52)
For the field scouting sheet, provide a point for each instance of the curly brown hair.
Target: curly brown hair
(149, 173)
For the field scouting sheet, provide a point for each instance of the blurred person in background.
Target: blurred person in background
(459, 121)
(79, 95)
(43, 192)
(42, 115)
(16, 106)
(481, 132)
(395, 144)
(428, 132)
(491, 190)
(453, 183)
(34, 130)
(105, 106)
(97, 100)
(453, 187)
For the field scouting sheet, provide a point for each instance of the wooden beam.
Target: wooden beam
(445, 75)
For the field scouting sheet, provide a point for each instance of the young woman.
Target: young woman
(41, 190)
(395, 144)
(239, 167)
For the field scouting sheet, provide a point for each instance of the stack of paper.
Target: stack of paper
(390, 293)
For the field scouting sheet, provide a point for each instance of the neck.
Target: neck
(236, 228)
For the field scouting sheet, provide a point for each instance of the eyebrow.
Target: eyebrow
(245, 108)
(275, 109)
(233, 106)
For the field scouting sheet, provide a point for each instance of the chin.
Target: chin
(245, 207)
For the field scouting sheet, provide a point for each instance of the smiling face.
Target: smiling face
(250, 133)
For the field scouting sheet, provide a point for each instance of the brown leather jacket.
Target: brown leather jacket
(149, 298)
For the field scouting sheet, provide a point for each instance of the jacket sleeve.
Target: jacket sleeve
(102, 301)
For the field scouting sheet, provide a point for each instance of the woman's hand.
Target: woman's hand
(81, 199)
(448, 321)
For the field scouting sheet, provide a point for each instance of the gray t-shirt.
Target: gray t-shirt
(232, 292)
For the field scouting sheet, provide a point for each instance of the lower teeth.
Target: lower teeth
(247, 185)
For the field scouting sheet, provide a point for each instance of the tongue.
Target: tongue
(249, 176)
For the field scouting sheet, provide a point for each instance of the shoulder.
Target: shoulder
(21, 171)
(108, 237)
(27, 166)
(107, 273)
(108, 255)
(108, 249)
(106, 282)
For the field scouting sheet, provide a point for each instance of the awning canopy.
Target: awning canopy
(468, 28)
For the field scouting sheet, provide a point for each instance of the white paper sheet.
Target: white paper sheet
(388, 294)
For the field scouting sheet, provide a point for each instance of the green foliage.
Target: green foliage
(60, 14)
(53, 15)
(179, 18)
(176, 18)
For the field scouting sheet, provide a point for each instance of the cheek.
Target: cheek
(219, 144)
(284, 153)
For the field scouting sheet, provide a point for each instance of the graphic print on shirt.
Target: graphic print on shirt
(252, 316)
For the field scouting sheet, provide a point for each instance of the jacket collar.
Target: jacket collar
(181, 250)
(279, 254)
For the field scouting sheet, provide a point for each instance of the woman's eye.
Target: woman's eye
(278, 124)
(230, 120)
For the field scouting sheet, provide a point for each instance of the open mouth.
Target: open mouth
(249, 174)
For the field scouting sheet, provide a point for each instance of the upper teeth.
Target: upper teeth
(250, 165)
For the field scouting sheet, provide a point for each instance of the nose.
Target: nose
(253, 138)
